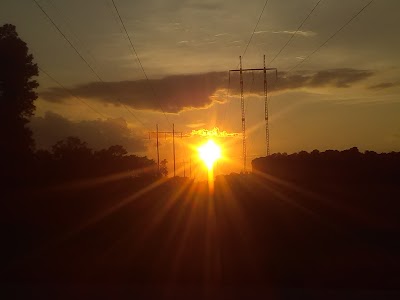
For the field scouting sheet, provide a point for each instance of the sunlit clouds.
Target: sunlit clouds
(215, 132)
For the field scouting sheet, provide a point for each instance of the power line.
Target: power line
(138, 59)
(83, 59)
(294, 33)
(69, 92)
(66, 24)
(254, 30)
(333, 35)
(69, 42)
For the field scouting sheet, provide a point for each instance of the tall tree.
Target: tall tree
(17, 94)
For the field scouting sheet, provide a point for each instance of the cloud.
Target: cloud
(338, 78)
(222, 34)
(172, 93)
(299, 32)
(182, 92)
(261, 31)
(341, 78)
(215, 132)
(99, 134)
(383, 85)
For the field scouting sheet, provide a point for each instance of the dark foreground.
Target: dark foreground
(255, 235)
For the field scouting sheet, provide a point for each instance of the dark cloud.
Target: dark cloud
(383, 85)
(180, 92)
(172, 93)
(339, 78)
(99, 134)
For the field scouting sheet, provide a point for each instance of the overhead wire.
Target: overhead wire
(294, 33)
(69, 92)
(68, 41)
(255, 28)
(83, 59)
(139, 61)
(332, 36)
(67, 26)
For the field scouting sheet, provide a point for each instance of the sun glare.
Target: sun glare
(209, 153)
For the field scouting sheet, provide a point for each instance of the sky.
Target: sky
(343, 95)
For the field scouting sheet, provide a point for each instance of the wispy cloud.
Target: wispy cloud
(261, 31)
(301, 33)
(221, 34)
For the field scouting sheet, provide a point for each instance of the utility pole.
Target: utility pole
(157, 133)
(184, 162)
(190, 166)
(242, 104)
(173, 146)
(158, 150)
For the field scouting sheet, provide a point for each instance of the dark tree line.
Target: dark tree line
(72, 159)
(332, 166)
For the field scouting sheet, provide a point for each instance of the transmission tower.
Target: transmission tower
(243, 116)
(242, 105)
(266, 104)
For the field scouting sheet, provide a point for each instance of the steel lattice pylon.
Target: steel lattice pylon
(266, 109)
(266, 117)
(243, 117)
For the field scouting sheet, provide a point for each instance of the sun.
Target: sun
(209, 153)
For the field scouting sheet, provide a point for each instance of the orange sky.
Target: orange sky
(344, 95)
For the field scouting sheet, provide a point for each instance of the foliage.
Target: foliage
(72, 159)
(17, 94)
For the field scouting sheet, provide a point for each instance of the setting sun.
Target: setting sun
(209, 153)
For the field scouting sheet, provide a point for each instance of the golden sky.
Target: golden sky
(346, 94)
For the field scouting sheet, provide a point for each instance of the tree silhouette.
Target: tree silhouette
(17, 94)
(72, 149)
(164, 167)
(113, 151)
(73, 158)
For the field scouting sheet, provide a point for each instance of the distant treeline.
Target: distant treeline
(71, 159)
(349, 165)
